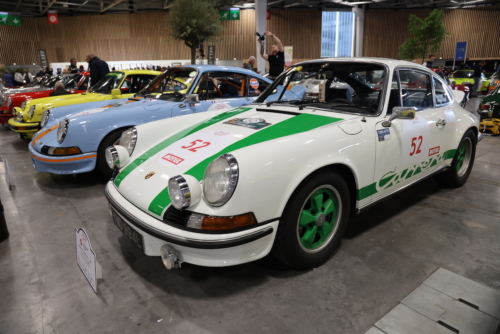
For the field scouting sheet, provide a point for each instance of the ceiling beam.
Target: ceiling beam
(48, 6)
(18, 3)
(117, 2)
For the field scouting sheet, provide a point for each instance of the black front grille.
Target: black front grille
(176, 217)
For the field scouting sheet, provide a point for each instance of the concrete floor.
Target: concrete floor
(387, 252)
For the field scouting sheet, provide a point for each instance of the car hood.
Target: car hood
(24, 90)
(192, 148)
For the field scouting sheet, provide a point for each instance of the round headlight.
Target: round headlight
(19, 116)
(9, 101)
(31, 112)
(23, 105)
(112, 158)
(45, 117)
(179, 193)
(129, 139)
(62, 130)
(220, 180)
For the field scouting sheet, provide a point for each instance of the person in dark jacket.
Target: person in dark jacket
(8, 79)
(98, 68)
(59, 89)
(40, 73)
(72, 66)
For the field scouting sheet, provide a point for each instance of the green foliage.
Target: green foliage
(428, 35)
(194, 22)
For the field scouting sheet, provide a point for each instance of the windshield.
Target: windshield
(108, 83)
(70, 81)
(52, 81)
(462, 74)
(173, 82)
(344, 86)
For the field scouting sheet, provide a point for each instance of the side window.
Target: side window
(416, 89)
(395, 95)
(137, 82)
(441, 93)
(206, 88)
(256, 86)
(216, 85)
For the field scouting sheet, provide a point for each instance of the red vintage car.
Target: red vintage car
(73, 83)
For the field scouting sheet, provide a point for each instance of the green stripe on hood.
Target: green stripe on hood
(291, 126)
(170, 140)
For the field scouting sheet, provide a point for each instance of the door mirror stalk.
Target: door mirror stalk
(400, 113)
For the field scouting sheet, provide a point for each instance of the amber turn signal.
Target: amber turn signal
(64, 150)
(227, 223)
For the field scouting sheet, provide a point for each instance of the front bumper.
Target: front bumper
(4, 118)
(211, 250)
(72, 164)
(27, 130)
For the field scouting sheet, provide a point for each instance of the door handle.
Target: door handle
(441, 122)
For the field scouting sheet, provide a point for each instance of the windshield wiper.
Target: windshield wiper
(268, 104)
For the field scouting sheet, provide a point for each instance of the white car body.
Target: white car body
(273, 162)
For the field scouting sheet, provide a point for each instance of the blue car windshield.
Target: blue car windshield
(176, 81)
(348, 87)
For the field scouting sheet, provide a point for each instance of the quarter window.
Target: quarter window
(416, 90)
(441, 93)
(256, 86)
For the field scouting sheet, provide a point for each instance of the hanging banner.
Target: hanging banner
(461, 50)
(211, 55)
(53, 18)
(288, 55)
(43, 58)
(268, 15)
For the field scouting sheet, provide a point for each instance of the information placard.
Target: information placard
(86, 259)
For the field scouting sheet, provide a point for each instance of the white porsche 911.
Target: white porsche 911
(327, 139)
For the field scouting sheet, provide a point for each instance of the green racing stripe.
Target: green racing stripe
(291, 126)
(172, 139)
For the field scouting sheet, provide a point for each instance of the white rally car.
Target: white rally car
(284, 174)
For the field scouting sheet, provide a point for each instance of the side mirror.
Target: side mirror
(192, 98)
(116, 92)
(400, 113)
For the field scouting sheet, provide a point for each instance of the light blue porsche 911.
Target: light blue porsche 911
(75, 142)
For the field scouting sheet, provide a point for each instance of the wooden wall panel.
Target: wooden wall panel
(19, 44)
(480, 26)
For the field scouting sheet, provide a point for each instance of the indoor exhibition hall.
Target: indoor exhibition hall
(255, 166)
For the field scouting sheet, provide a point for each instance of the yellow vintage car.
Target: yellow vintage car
(115, 85)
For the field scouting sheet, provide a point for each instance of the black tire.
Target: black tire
(289, 246)
(459, 172)
(108, 141)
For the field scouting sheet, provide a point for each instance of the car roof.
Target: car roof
(205, 68)
(391, 63)
(127, 72)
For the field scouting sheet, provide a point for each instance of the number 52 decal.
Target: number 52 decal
(416, 144)
(191, 147)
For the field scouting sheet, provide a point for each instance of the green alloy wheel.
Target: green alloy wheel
(318, 220)
(462, 163)
(313, 221)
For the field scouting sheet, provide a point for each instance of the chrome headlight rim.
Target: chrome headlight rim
(128, 140)
(178, 185)
(231, 183)
(31, 111)
(20, 116)
(23, 105)
(112, 157)
(45, 117)
(62, 130)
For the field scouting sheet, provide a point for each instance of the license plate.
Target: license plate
(132, 234)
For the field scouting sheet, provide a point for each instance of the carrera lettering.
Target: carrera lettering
(434, 150)
(173, 159)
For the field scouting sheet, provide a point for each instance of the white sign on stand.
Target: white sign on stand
(86, 260)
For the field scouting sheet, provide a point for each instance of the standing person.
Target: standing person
(72, 66)
(8, 79)
(59, 89)
(27, 76)
(430, 62)
(277, 57)
(478, 70)
(98, 68)
(18, 78)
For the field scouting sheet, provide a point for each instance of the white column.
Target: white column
(359, 16)
(260, 27)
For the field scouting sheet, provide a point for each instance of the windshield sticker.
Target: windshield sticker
(384, 134)
(252, 123)
(194, 148)
(254, 83)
